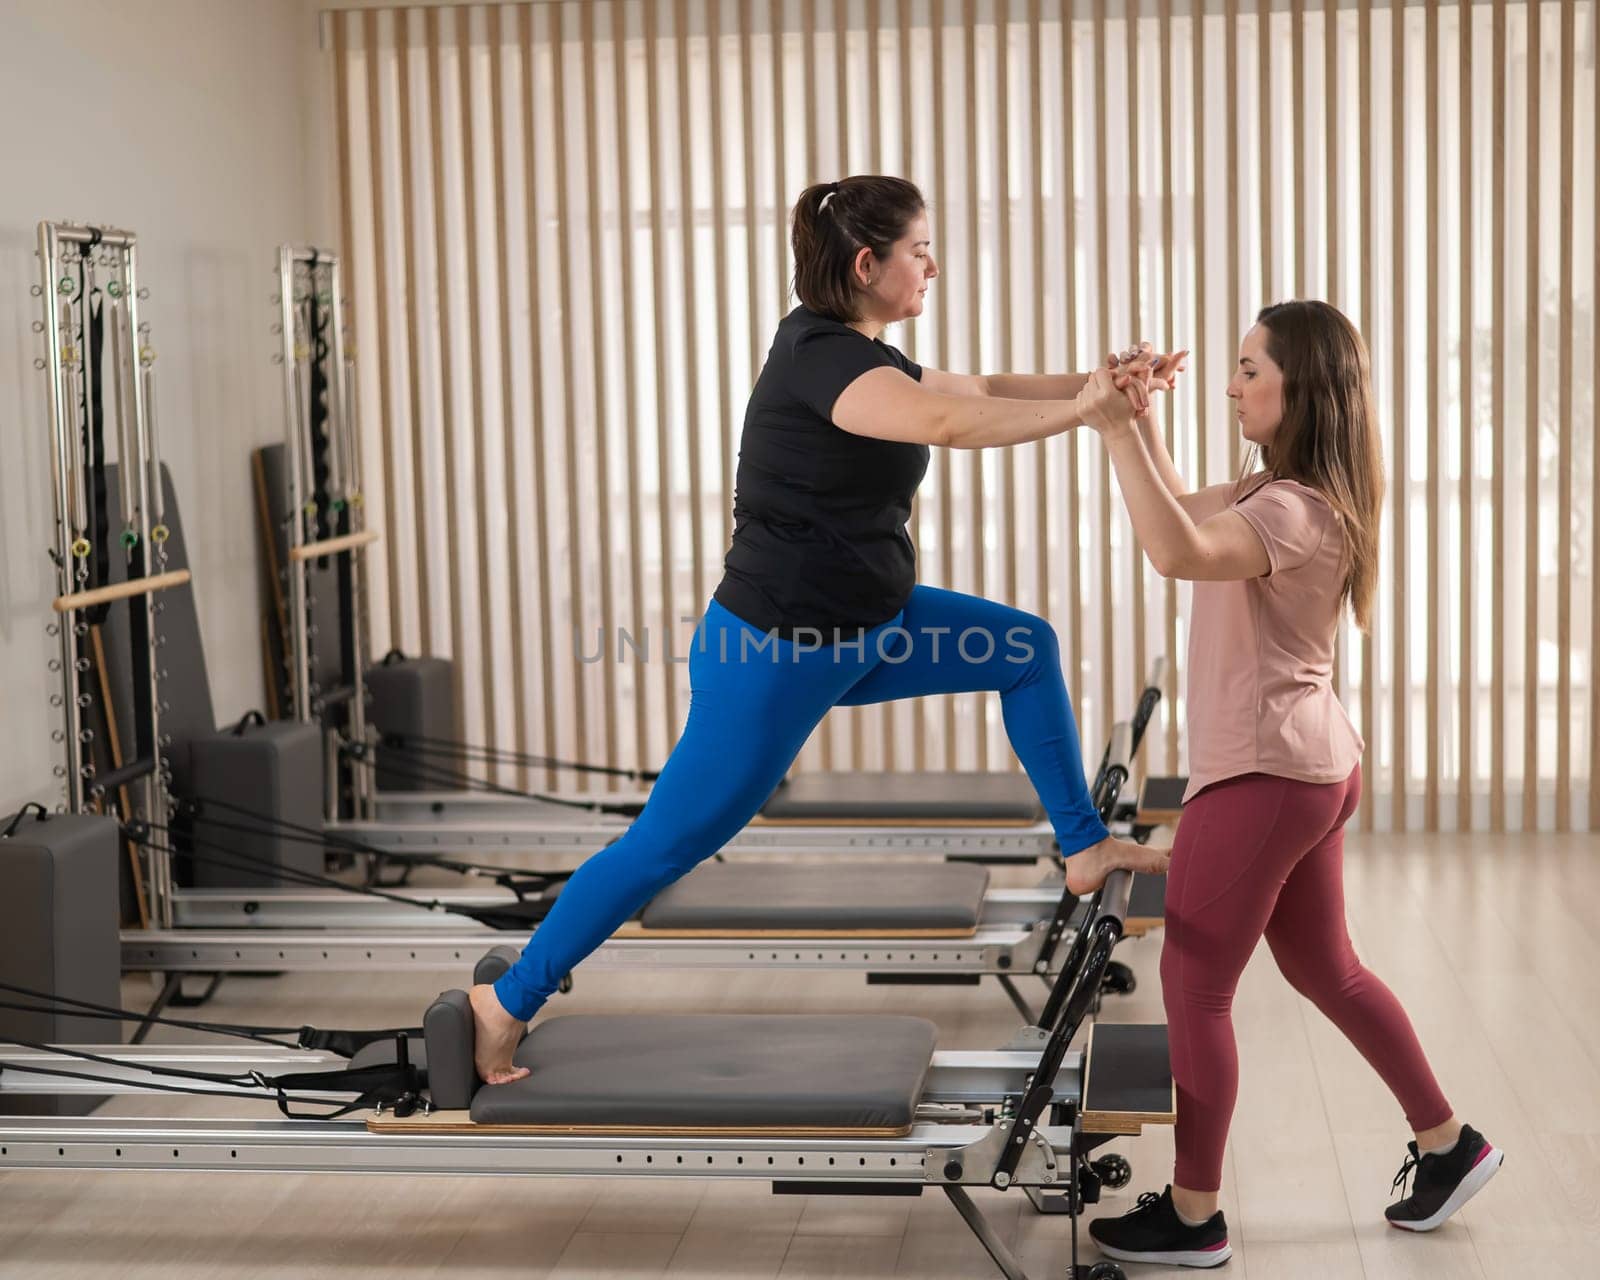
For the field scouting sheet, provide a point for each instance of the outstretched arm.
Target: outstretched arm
(1222, 548)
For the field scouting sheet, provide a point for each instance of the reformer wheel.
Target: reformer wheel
(1114, 1170)
(1119, 980)
(1107, 1271)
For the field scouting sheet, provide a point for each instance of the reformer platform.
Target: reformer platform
(951, 798)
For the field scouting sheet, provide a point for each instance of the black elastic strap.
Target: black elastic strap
(95, 449)
(346, 1043)
(34, 807)
(250, 719)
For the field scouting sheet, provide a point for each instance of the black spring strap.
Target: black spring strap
(518, 880)
(512, 916)
(522, 883)
(396, 1086)
(345, 1043)
(502, 755)
(413, 769)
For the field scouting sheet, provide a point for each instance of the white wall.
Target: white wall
(193, 123)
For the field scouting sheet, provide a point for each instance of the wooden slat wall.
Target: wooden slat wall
(574, 248)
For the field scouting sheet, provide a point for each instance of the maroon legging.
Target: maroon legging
(1262, 854)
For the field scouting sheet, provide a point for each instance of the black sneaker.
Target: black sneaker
(1152, 1232)
(1444, 1182)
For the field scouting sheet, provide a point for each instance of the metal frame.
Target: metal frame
(299, 267)
(63, 245)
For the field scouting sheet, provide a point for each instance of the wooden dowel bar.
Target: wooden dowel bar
(120, 591)
(333, 546)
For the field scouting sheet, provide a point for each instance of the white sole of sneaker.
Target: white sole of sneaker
(1172, 1258)
(1477, 1178)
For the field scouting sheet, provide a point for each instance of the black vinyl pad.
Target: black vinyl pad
(709, 1072)
(734, 896)
(927, 797)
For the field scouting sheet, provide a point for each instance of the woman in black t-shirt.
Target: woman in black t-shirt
(819, 605)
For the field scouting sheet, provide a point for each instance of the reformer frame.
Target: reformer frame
(1030, 1123)
(83, 314)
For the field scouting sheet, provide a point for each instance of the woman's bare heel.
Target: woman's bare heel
(1087, 869)
(498, 1035)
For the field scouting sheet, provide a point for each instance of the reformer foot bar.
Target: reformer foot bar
(851, 1105)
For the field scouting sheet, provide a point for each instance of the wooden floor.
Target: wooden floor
(1491, 943)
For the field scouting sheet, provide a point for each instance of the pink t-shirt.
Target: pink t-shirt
(1261, 694)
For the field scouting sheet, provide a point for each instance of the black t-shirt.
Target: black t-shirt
(819, 514)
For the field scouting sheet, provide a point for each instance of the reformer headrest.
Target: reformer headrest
(495, 962)
(450, 1035)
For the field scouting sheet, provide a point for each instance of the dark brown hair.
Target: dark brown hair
(1328, 438)
(833, 222)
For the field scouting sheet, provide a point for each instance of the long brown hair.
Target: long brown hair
(1328, 438)
(833, 222)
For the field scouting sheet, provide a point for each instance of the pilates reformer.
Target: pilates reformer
(812, 1105)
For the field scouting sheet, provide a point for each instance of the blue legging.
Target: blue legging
(754, 700)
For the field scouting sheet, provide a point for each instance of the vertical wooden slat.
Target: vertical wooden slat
(569, 373)
(719, 271)
(1298, 147)
(658, 268)
(1004, 357)
(1073, 551)
(480, 480)
(919, 709)
(1497, 410)
(854, 717)
(1468, 707)
(1199, 78)
(518, 716)
(1334, 292)
(441, 254)
(1136, 322)
(1533, 283)
(941, 190)
(380, 334)
(536, 441)
(808, 92)
(1230, 37)
(599, 343)
(977, 703)
(621, 79)
(1369, 311)
(1400, 472)
(421, 526)
(1564, 450)
(687, 136)
(752, 210)
(1432, 344)
(875, 90)
(844, 111)
(1594, 487)
(1039, 451)
(1169, 321)
(780, 181)
(1265, 110)
(1108, 495)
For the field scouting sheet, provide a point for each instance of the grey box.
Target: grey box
(272, 769)
(59, 934)
(412, 698)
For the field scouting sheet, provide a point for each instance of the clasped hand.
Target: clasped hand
(1118, 393)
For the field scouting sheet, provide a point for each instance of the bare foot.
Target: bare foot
(1088, 868)
(498, 1035)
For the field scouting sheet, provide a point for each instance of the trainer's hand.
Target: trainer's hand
(1107, 407)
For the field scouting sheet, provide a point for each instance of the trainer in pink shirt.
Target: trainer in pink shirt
(1261, 696)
